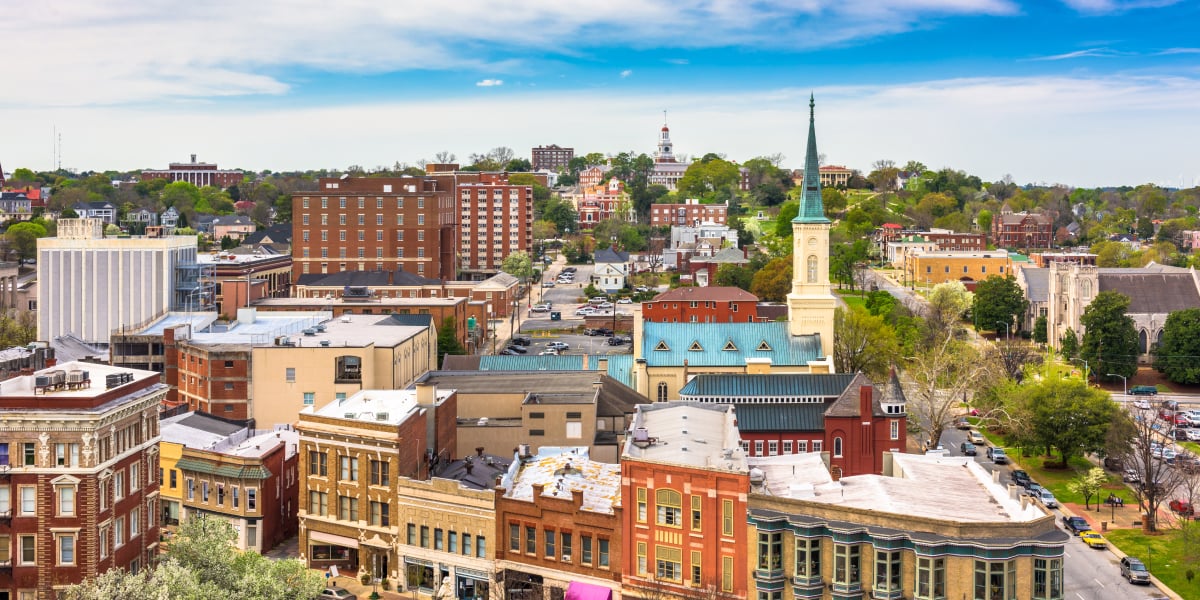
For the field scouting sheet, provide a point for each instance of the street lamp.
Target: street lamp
(1085, 367)
(1124, 382)
(1007, 336)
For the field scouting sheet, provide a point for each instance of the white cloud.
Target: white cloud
(126, 51)
(1113, 6)
(626, 73)
(677, 61)
(1088, 53)
(1074, 130)
(489, 82)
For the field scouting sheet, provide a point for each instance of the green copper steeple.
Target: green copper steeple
(811, 208)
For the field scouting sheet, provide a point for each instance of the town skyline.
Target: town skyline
(1082, 92)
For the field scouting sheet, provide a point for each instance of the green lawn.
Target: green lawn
(1055, 479)
(852, 298)
(1161, 553)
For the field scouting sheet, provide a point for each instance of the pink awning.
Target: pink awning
(586, 591)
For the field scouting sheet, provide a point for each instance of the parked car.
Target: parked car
(625, 300)
(522, 340)
(1113, 463)
(548, 352)
(1141, 404)
(336, 593)
(1171, 405)
(641, 288)
(1179, 434)
(997, 455)
(962, 423)
(597, 300)
(540, 308)
(1047, 498)
(1182, 420)
(976, 438)
(548, 284)
(585, 311)
(968, 449)
(1134, 571)
(1076, 525)
(605, 305)
(1143, 390)
(1130, 476)
(1182, 507)
(1021, 478)
(1093, 539)
(558, 346)
(1193, 435)
(517, 349)
(507, 352)
(604, 331)
(617, 340)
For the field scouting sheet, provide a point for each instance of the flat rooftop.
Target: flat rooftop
(195, 430)
(262, 442)
(689, 433)
(254, 328)
(237, 259)
(375, 406)
(25, 385)
(964, 492)
(563, 470)
(325, 303)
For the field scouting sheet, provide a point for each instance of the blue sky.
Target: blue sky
(1081, 92)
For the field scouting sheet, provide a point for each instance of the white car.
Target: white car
(1047, 498)
(605, 306)
(560, 346)
(1193, 435)
(641, 288)
(625, 301)
(548, 352)
(585, 311)
(1141, 404)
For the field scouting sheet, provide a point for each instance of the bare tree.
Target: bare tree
(445, 156)
(1012, 356)
(502, 154)
(1158, 481)
(940, 379)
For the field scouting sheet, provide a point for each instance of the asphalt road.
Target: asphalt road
(1089, 574)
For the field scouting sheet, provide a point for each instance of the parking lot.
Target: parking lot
(578, 344)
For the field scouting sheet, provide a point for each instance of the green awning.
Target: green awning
(228, 471)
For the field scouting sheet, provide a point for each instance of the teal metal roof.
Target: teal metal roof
(620, 367)
(782, 385)
(505, 362)
(781, 417)
(812, 210)
(726, 344)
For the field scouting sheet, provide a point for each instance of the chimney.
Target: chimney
(479, 451)
(864, 401)
(835, 472)
(193, 159)
(426, 393)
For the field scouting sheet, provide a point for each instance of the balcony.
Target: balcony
(6, 567)
(5, 518)
(774, 574)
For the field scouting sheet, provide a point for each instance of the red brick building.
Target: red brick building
(558, 517)
(702, 305)
(1022, 230)
(376, 223)
(78, 475)
(196, 173)
(496, 220)
(690, 212)
(552, 157)
(604, 201)
(684, 487)
(956, 242)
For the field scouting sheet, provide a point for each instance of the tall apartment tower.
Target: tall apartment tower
(89, 285)
(551, 158)
(78, 476)
(497, 220)
(375, 224)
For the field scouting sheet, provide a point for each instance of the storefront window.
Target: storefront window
(420, 577)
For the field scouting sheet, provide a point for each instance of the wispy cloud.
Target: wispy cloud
(1101, 7)
(489, 82)
(1172, 51)
(677, 61)
(626, 73)
(127, 51)
(1088, 53)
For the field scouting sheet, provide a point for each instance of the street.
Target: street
(1088, 574)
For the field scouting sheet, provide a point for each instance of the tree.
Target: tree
(999, 300)
(945, 307)
(518, 264)
(1089, 484)
(703, 178)
(1066, 415)
(518, 165)
(1158, 481)
(863, 342)
(17, 328)
(1110, 341)
(202, 562)
(731, 275)
(561, 213)
(228, 242)
(845, 260)
(1039, 330)
(773, 282)
(23, 238)
(833, 200)
(1012, 355)
(984, 220)
(1069, 344)
(445, 156)
(942, 375)
(783, 222)
(544, 230)
(447, 339)
(1176, 356)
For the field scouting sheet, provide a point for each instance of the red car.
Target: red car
(1166, 415)
(1182, 421)
(1183, 507)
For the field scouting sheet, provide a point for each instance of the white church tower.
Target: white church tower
(811, 303)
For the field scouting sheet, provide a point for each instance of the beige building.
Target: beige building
(499, 411)
(885, 536)
(353, 454)
(932, 268)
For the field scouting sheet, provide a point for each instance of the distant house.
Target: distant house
(277, 237)
(702, 270)
(204, 223)
(1022, 229)
(105, 211)
(236, 227)
(170, 218)
(612, 267)
(15, 206)
(141, 216)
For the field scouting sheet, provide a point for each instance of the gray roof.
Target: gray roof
(1153, 293)
(197, 430)
(607, 255)
(483, 472)
(233, 220)
(277, 233)
(847, 405)
(1037, 283)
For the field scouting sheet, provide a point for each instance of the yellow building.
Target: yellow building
(932, 268)
(194, 430)
(885, 536)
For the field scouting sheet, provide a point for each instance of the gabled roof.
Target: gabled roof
(777, 385)
(233, 220)
(1037, 283)
(1152, 293)
(848, 404)
(702, 294)
(277, 234)
(728, 255)
(619, 366)
(499, 281)
(607, 255)
(674, 343)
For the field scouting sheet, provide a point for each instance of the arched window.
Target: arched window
(669, 507)
(662, 391)
(837, 447)
(1085, 289)
(1142, 337)
(812, 269)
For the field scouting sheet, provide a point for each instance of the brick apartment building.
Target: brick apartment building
(78, 476)
(558, 516)
(496, 220)
(702, 305)
(690, 212)
(372, 224)
(684, 486)
(551, 158)
(1022, 230)
(196, 173)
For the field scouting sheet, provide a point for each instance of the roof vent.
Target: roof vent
(349, 415)
(641, 437)
(381, 416)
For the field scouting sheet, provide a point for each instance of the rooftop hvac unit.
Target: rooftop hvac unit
(310, 332)
(381, 416)
(349, 415)
(324, 342)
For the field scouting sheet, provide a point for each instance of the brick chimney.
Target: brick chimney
(864, 401)
(835, 472)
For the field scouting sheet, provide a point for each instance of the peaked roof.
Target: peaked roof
(1037, 283)
(703, 344)
(233, 220)
(1152, 293)
(700, 294)
(848, 403)
(728, 255)
(608, 255)
(812, 210)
